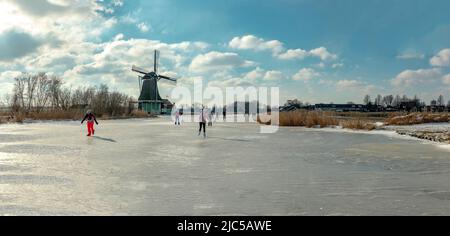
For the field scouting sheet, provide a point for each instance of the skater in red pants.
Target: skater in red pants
(90, 122)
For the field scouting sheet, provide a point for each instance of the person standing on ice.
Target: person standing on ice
(224, 113)
(210, 118)
(202, 118)
(177, 117)
(90, 118)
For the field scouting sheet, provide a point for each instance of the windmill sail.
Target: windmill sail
(156, 61)
(167, 78)
(139, 70)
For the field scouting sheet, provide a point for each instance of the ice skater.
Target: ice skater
(202, 119)
(90, 118)
(224, 113)
(210, 119)
(177, 117)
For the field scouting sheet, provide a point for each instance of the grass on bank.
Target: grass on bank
(75, 114)
(308, 119)
(304, 118)
(358, 124)
(355, 120)
(322, 119)
(418, 118)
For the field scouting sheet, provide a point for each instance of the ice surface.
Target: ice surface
(151, 167)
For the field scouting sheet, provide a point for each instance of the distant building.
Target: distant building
(291, 107)
(410, 106)
(166, 107)
(341, 107)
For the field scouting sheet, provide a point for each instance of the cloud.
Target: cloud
(446, 79)
(252, 42)
(358, 86)
(442, 59)
(414, 77)
(273, 75)
(347, 84)
(40, 7)
(255, 74)
(293, 54)
(218, 61)
(15, 44)
(305, 74)
(326, 82)
(261, 74)
(70, 21)
(338, 65)
(68, 8)
(230, 82)
(323, 54)
(143, 27)
(9, 75)
(410, 55)
(69, 39)
(117, 3)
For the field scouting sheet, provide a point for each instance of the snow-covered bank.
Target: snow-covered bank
(435, 134)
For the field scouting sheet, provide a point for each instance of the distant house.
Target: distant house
(391, 109)
(341, 107)
(410, 106)
(291, 107)
(433, 108)
(166, 107)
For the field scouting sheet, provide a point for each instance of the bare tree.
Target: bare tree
(117, 103)
(42, 92)
(65, 99)
(31, 85)
(367, 100)
(441, 101)
(387, 100)
(397, 100)
(55, 91)
(379, 100)
(19, 93)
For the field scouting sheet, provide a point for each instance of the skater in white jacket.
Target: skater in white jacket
(202, 119)
(177, 117)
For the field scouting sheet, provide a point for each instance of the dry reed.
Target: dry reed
(418, 118)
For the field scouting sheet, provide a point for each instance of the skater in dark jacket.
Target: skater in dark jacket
(90, 118)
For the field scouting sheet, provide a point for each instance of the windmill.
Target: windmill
(149, 100)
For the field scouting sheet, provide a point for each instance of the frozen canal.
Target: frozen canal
(149, 167)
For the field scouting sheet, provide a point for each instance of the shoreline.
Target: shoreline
(439, 137)
(34, 121)
(437, 133)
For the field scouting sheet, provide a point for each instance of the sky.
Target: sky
(313, 50)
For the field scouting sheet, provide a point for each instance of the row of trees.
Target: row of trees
(396, 101)
(43, 92)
